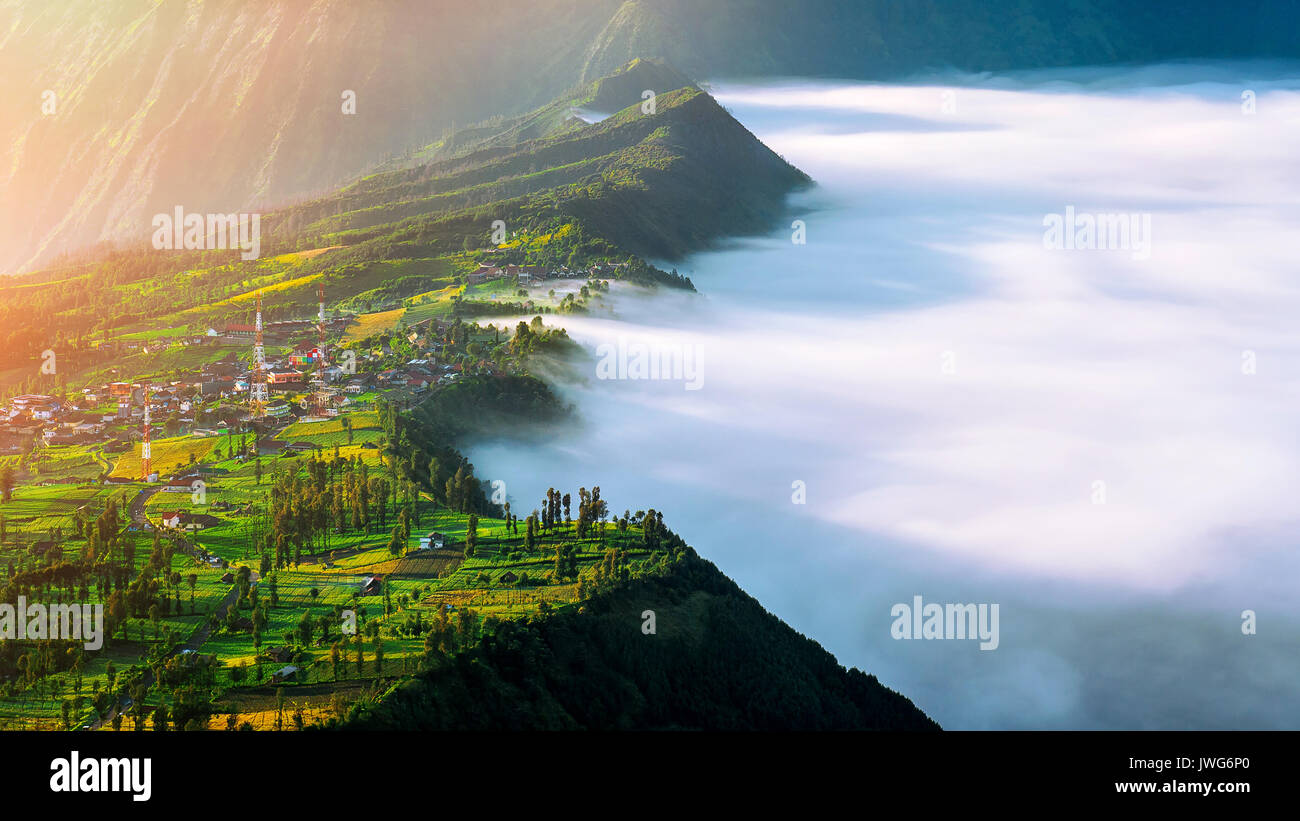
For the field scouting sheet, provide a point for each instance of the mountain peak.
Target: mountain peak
(626, 86)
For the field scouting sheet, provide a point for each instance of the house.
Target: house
(508, 578)
(527, 274)
(372, 585)
(280, 655)
(332, 373)
(286, 673)
(484, 273)
(434, 540)
(284, 377)
(170, 518)
(181, 520)
(229, 578)
(184, 484)
(37, 406)
(237, 331)
(305, 360)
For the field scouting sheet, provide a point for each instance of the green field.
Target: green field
(331, 432)
(370, 324)
(169, 456)
(420, 584)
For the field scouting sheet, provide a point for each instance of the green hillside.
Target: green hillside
(716, 661)
(688, 171)
(648, 181)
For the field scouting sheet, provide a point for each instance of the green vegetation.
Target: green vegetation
(298, 571)
(716, 660)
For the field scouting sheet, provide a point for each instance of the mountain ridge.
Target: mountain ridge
(220, 106)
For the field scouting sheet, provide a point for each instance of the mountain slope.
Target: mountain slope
(222, 105)
(882, 38)
(658, 183)
(717, 661)
(637, 184)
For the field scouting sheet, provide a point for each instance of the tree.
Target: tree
(305, 629)
(6, 484)
(160, 718)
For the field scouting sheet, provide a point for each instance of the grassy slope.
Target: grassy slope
(718, 661)
(657, 184)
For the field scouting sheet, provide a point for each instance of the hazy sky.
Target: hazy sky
(1103, 442)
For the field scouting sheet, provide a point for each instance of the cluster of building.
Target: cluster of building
(527, 275)
(54, 420)
(233, 333)
(418, 375)
(522, 274)
(300, 372)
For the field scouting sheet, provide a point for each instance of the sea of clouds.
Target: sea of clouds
(1108, 447)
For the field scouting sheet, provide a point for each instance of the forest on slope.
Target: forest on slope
(717, 660)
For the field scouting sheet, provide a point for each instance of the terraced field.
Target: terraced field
(169, 456)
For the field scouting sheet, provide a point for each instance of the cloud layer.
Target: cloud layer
(1082, 435)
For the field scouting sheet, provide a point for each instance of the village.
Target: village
(301, 383)
(182, 468)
